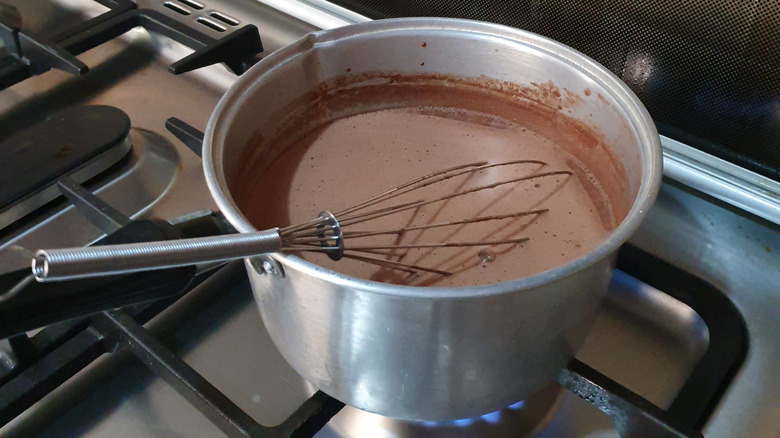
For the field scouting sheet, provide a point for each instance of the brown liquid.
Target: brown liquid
(353, 158)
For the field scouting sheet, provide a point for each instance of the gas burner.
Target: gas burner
(78, 143)
(522, 419)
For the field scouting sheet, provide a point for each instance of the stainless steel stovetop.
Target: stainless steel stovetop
(644, 339)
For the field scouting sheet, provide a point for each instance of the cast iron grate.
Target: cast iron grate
(32, 54)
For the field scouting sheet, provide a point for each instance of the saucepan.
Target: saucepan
(428, 353)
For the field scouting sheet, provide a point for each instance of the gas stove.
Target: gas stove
(686, 344)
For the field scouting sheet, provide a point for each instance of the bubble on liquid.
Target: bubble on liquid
(486, 256)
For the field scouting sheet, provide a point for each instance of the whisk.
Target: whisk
(326, 233)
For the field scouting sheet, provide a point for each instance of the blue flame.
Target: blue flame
(517, 406)
(465, 422)
(491, 418)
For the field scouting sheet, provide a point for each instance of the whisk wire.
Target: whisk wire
(412, 269)
(299, 237)
(431, 179)
(369, 215)
(357, 234)
(386, 195)
(444, 244)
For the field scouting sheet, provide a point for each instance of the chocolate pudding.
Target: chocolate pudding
(338, 163)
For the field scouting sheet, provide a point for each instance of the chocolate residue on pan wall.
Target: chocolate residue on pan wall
(253, 154)
(535, 106)
(571, 98)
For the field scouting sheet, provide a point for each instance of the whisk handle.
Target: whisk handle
(74, 263)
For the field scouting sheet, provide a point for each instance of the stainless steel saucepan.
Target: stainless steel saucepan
(429, 353)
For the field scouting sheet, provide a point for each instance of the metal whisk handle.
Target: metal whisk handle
(75, 263)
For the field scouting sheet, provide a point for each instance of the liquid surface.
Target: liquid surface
(353, 158)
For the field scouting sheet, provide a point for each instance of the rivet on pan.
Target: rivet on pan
(267, 265)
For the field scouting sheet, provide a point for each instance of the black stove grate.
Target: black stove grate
(25, 54)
